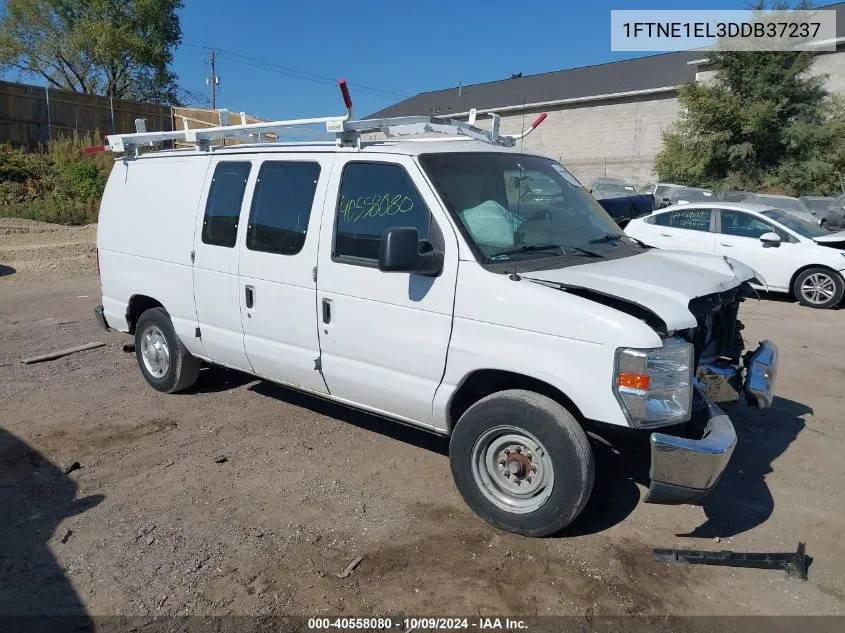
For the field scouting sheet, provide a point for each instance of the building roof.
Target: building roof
(620, 78)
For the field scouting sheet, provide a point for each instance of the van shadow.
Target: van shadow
(615, 493)
(366, 421)
(6, 270)
(35, 497)
(742, 499)
(214, 379)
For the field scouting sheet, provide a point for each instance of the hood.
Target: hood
(662, 282)
(839, 236)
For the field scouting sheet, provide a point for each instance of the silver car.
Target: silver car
(793, 206)
(833, 218)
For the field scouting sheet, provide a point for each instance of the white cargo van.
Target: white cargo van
(461, 286)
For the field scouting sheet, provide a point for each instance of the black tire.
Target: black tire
(806, 298)
(182, 368)
(566, 446)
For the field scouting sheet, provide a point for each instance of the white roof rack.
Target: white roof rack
(347, 131)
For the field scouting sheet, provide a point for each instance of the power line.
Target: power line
(297, 73)
(309, 76)
(214, 80)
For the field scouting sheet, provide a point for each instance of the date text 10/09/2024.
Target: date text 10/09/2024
(709, 30)
(416, 624)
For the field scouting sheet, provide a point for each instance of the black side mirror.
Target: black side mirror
(402, 251)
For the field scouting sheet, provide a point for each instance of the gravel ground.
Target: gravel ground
(242, 497)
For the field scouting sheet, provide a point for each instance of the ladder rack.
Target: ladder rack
(346, 130)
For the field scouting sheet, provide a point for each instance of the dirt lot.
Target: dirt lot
(241, 497)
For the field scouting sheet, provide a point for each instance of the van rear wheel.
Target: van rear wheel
(522, 462)
(164, 361)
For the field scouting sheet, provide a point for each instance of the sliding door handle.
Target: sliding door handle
(249, 296)
(327, 311)
(729, 245)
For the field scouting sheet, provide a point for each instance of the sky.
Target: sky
(280, 59)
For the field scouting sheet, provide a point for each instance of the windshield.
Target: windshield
(613, 190)
(804, 229)
(516, 207)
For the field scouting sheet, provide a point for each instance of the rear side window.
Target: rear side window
(690, 219)
(220, 224)
(375, 197)
(281, 207)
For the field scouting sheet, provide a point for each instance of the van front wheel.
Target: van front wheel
(522, 462)
(164, 361)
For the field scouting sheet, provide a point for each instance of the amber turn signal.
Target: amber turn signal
(634, 381)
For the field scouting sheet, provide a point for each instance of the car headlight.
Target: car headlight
(654, 386)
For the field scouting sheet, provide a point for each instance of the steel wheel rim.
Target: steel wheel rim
(512, 469)
(155, 352)
(818, 288)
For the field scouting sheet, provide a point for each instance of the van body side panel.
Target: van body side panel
(544, 333)
(216, 287)
(145, 236)
(280, 326)
(384, 335)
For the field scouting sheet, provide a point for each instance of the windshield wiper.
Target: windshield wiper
(613, 237)
(527, 248)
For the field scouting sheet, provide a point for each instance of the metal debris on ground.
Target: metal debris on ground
(62, 352)
(221, 459)
(72, 467)
(794, 564)
(67, 536)
(350, 567)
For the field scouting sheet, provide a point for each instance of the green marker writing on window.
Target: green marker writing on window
(374, 206)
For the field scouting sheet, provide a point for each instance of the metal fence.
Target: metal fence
(33, 115)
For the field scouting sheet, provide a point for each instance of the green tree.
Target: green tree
(118, 48)
(765, 122)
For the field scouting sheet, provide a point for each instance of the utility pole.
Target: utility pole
(214, 80)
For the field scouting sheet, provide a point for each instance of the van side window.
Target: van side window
(220, 224)
(375, 197)
(281, 207)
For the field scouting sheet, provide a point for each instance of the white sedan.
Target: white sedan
(788, 254)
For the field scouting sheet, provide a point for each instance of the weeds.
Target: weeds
(58, 184)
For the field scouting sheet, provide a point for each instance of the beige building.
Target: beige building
(602, 120)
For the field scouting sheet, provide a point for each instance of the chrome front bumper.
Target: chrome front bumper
(723, 382)
(685, 470)
(762, 367)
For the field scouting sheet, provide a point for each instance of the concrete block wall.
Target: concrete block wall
(618, 138)
(832, 65)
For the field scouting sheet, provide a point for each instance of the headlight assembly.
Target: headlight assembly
(654, 386)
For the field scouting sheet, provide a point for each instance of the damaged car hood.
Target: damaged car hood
(662, 282)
